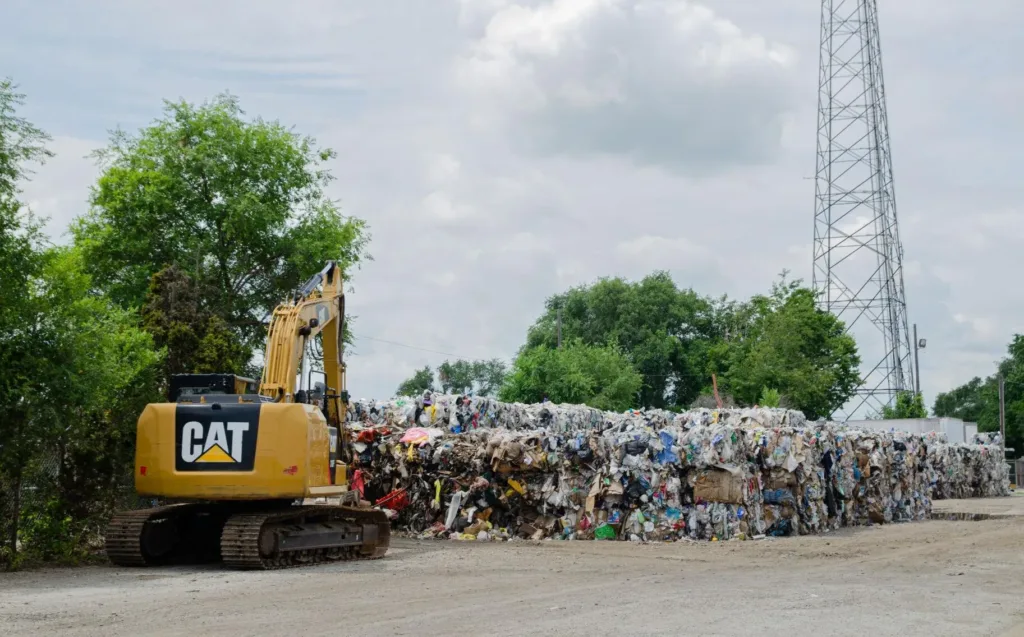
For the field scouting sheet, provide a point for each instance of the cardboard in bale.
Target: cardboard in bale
(475, 468)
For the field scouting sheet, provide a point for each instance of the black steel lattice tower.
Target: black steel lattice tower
(858, 257)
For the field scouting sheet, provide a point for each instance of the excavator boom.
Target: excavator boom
(310, 312)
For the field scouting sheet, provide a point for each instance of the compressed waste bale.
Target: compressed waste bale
(719, 485)
(475, 468)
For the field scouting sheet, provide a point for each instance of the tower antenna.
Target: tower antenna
(858, 257)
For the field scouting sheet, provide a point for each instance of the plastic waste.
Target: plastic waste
(472, 466)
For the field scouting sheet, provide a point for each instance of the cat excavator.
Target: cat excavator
(256, 476)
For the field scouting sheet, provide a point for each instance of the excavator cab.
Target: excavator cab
(200, 388)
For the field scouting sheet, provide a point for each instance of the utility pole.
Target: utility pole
(917, 364)
(1002, 413)
(559, 327)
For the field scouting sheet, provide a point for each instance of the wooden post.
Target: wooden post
(1002, 413)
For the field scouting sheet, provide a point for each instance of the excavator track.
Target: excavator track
(303, 536)
(158, 535)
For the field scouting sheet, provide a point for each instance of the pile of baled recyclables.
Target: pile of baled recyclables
(474, 468)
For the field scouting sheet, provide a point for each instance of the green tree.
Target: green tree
(489, 376)
(664, 332)
(74, 372)
(195, 340)
(785, 342)
(598, 376)
(455, 377)
(978, 400)
(975, 401)
(1011, 368)
(239, 205)
(677, 339)
(482, 377)
(908, 405)
(23, 337)
(422, 380)
(101, 370)
(770, 398)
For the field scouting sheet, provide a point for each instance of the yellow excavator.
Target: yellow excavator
(256, 477)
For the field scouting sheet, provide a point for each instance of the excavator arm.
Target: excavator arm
(318, 307)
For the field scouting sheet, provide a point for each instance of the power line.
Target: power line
(434, 351)
(422, 349)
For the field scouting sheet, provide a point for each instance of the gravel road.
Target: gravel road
(930, 578)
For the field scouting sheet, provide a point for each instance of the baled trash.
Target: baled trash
(476, 468)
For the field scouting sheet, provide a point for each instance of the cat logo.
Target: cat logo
(214, 446)
(216, 437)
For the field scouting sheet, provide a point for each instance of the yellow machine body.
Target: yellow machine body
(237, 451)
(276, 444)
(262, 473)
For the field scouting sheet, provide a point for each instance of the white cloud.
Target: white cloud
(983, 327)
(440, 206)
(59, 189)
(666, 82)
(442, 168)
(226, 28)
(503, 151)
(643, 248)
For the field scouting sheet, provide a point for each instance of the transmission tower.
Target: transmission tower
(858, 256)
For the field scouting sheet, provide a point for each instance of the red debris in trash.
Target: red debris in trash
(396, 500)
(358, 483)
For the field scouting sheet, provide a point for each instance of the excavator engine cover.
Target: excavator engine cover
(236, 451)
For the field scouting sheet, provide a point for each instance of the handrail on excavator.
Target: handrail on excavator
(310, 285)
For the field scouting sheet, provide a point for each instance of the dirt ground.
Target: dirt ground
(994, 507)
(929, 578)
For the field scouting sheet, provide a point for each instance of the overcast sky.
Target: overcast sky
(502, 151)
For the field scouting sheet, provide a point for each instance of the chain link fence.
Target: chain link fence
(24, 495)
(42, 516)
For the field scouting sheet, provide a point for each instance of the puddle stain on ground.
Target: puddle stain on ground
(950, 516)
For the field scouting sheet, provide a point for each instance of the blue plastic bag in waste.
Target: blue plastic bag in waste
(778, 496)
(666, 455)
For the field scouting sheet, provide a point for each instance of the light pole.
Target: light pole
(918, 344)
